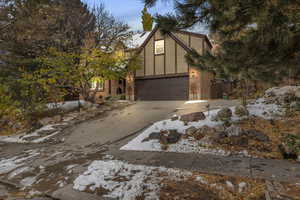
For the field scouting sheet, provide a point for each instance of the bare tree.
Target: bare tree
(109, 30)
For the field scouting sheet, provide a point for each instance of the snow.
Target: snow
(18, 171)
(196, 101)
(28, 181)
(137, 40)
(10, 164)
(68, 105)
(124, 181)
(280, 91)
(21, 138)
(258, 108)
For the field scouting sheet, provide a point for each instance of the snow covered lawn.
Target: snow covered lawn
(188, 145)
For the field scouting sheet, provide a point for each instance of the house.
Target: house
(164, 74)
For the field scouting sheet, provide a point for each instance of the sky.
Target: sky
(129, 11)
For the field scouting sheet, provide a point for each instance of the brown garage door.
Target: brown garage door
(175, 88)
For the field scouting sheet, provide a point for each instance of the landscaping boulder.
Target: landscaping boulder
(153, 136)
(204, 131)
(241, 111)
(257, 135)
(224, 114)
(165, 137)
(191, 130)
(193, 117)
(174, 118)
(234, 130)
(173, 137)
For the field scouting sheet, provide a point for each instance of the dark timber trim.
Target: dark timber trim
(165, 53)
(190, 47)
(154, 59)
(176, 62)
(144, 61)
(163, 76)
(203, 47)
(185, 47)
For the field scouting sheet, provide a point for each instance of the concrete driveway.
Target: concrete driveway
(121, 123)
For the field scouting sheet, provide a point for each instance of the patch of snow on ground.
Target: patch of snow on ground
(68, 105)
(18, 171)
(266, 111)
(122, 180)
(10, 164)
(258, 109)
(196, 101)
(21, 138)
(28, 181)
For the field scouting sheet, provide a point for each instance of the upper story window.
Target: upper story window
(159, 47)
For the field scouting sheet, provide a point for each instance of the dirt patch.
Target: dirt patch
(211, 187)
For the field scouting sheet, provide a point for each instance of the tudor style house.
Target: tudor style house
(164, 74)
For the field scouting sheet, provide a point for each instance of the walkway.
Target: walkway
(276, 170)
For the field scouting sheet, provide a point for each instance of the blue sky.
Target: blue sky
(130, 10)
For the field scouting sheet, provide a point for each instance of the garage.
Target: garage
(166, 88)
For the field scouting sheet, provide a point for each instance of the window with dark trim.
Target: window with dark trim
(159, 47)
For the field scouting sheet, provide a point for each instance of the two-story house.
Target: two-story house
(164, 73)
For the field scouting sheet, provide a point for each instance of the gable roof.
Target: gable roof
(174, 37)
(137, 40)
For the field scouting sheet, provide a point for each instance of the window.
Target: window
(97, 82)
(159, 47)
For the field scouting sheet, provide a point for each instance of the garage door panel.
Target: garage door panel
(173, 88)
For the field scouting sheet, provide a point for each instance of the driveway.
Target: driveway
(121, 123)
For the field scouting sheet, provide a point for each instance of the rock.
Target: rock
(193, 117)
(257, 135)
(241, 111)
(234, 131)
(153, 136)
(242, 186)
(220, 128)
(165, 137)
(230, 186)
(174, 118)
(207, 130)
(173, 137)
(191, 130)
(224, 114)
(204, 131)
